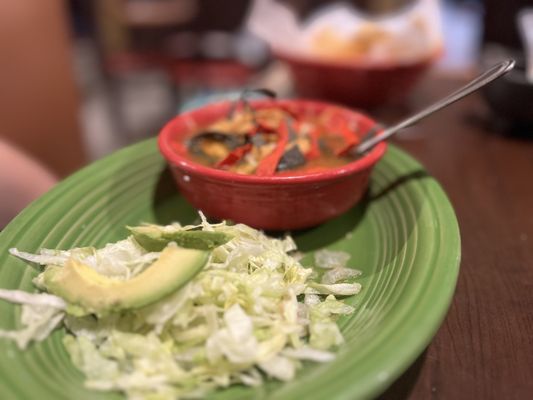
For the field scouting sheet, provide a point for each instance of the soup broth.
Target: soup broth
(275, 141)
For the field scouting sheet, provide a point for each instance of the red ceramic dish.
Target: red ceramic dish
(272, 202)
(352, 82)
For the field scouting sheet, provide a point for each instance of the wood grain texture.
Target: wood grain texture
(484, 350)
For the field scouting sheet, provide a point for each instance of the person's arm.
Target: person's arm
(39, 100)
(22, 180)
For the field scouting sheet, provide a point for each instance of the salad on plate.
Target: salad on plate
(178, 311)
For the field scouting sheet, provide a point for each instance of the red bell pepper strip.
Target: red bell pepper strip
(338, 124)
(289, 110)
(268, 165)
(333, 118)
(235, 155)
(261, 128)
(350, 140)
(314, 150)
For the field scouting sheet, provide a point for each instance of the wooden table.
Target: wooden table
(484, 349)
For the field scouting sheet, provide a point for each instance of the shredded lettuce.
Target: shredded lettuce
(41, 314)
(331, 259)
(121, 260)
(253, 312)
(338, 274)
(33, 299)
(340, 289)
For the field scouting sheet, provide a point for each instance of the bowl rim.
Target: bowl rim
(358, 64)
(361, 164)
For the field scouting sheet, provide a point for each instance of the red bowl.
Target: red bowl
(352, 82)
(290, 201)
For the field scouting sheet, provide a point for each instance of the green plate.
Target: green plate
(404, 237)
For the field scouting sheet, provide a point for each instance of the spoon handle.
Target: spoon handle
(478, 82)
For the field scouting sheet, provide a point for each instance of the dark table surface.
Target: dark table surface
(484, 349)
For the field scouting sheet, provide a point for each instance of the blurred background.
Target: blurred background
(80, 79)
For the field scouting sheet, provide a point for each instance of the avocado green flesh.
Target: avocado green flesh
(154, 239)
(89, 292)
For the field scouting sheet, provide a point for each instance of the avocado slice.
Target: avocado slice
(153, 238)
(89, 292)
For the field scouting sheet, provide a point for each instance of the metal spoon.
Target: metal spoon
(376, 136)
